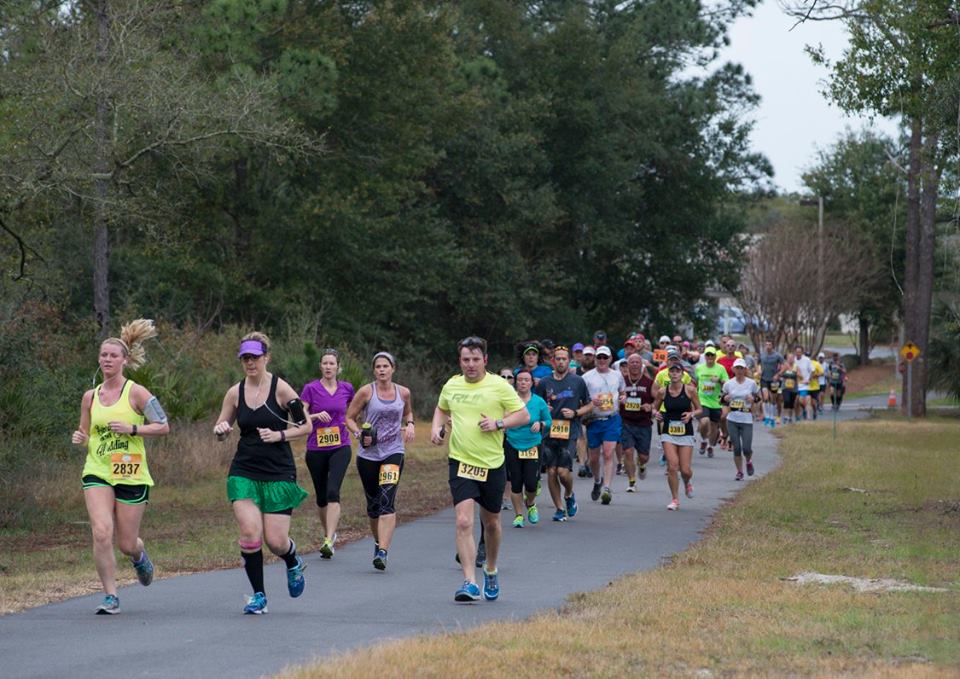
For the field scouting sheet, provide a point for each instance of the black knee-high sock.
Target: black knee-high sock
(290, 558)
(253, 565)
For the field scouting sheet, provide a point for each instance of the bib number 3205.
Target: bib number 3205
(469, 471)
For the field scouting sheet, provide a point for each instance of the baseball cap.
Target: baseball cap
(577, 347)
(531, 347)
(710, 350)
(630, 340)
(673, 354)
(589, 350)
(600, 335)
(663, 338)
(821, 355)
(251, 347)
(709, 343)
(739, 363)
(686, 343)
(604, 351)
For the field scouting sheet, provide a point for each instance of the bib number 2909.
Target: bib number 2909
(469, 471)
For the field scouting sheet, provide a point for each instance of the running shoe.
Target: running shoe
(738, 477)
(619, 469)
(327, 549)
(256, 605)
(380, 560)
(295, 581)
(674, 505)
(572, 506)
(376, 548)
(467, 592)
(582, 472)
(589, 473)
(144, 569)
(749, 468)
(595, 493)
(632, 487)
(663, 460)
(710, 451)
(703, 447)
(606, 495)
(491, 585)
(533, 514)
(110, 605)
(518, 521)
(481, 554)
(539, 488)
(559, 515)
(689, 490)
(642, 472)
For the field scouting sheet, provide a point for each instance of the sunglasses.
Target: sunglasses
(507, 377)
(603, 356)
(248, 357)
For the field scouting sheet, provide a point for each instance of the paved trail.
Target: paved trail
(192, 625)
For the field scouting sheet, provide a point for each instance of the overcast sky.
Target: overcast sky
(793, 119)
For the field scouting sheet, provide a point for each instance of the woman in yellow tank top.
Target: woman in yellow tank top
(115, 416)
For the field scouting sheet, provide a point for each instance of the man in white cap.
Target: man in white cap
(607, 390)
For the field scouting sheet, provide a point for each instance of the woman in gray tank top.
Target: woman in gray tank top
(387, 408)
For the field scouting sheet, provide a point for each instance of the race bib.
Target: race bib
(468, 471)
(328, 437)
(790, 384)
(531, 454)
(633, 405)
(126, 467)
(676, 428)
(775, 386)
(660, 355)
(708, 387)
(606, 401)
(737, 404)
(389, 474)
(560, 429)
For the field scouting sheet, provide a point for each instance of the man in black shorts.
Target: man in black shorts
(566, 395)
(482, 405)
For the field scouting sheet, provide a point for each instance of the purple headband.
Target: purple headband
(252, 347)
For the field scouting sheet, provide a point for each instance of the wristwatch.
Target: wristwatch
(499, 424)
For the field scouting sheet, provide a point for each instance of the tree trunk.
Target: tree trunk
(101, 166)
(864, 341)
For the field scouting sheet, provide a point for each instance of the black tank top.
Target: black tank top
(256, 459)
(675, 407)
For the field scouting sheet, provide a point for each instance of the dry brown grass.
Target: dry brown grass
(722, 608)
(189, 526)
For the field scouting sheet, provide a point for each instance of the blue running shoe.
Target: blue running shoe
(144, 568)
(380, 560)
(559, 515)
(256, 605)
(491, 585)
(467, 592)
(295, 581)
(663, 460)
(110, 605)
(572, 506)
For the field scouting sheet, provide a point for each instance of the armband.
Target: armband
(153, 411)
(368, 435)
(295, 406)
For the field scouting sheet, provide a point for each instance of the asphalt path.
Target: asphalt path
(192, 625)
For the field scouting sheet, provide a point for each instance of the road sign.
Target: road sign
(909, 351)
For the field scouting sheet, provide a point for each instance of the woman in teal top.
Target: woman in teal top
(521, 447)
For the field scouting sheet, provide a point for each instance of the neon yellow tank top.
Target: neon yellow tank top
(116, 458)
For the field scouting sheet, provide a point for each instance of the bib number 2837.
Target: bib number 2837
(125, 466)
(469, 471)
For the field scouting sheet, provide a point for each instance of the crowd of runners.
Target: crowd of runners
(592, 407)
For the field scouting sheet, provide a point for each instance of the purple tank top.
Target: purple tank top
(333, 434)
(387, 417)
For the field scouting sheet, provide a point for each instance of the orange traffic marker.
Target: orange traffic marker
(892, 399)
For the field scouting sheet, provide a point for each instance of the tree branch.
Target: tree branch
(23, 249)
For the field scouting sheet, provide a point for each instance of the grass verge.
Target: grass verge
(189, 526)
(722, 607)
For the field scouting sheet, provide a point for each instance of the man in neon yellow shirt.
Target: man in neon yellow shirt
(710, 379)
(482, 406)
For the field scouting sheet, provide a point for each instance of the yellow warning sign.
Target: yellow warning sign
(909, 351)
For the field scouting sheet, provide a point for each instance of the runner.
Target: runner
(804, 370)
(816, 376)
(530, 353)
(388, 410)
(588, 364)
(837, 376)
(566, 395)
(521, 448)
(660, 382)
(681, 408)
(576, 358)
(636, 413)
(599, 339)
(328, 446)
(481, 406)
(739, 394)
(711, 377)
(788, 388)
(262, 482)
(606, 389)
(770, 363)
(115, 416)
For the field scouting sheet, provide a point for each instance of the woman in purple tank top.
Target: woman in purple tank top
(387, 408)
(328, 446)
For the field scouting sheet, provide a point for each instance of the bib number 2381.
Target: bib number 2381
(468, 471)
(676, 428)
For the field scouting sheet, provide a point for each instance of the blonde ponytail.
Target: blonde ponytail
(132, 337)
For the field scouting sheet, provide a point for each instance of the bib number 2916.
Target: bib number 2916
(560, 429)
(469, 471)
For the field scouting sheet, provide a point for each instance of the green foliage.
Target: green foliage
(943, 357)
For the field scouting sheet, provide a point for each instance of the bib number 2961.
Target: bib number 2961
(389, 474)
(469, 471)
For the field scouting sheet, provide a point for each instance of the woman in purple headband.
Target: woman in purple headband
(262, 482)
